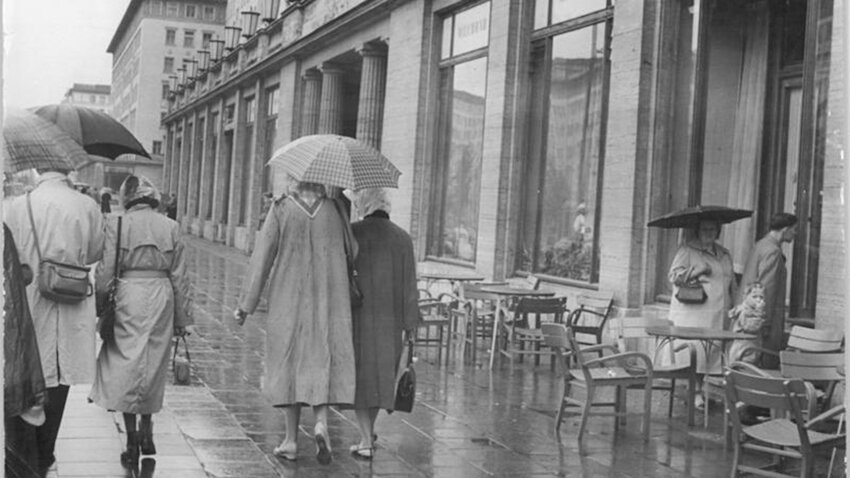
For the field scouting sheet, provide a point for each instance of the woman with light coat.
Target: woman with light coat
(152, 304)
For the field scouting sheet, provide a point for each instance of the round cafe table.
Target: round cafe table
(455, 278)
(506, 292)
(708, 337)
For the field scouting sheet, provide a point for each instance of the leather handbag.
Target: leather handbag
(354, 292)
(691, 292)
(405, 389)
(58, 281)
(106, 311)
(181, 364)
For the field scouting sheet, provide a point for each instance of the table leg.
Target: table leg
(496, 329)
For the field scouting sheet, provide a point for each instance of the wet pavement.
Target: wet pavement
(467, 421)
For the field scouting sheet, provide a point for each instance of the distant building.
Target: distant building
(153, 41)
(92, 96)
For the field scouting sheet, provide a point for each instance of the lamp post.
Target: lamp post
(192, 70)
(231, 37)
(217, 47)
(272, 11)
(203, 60)
(249, 23)
(172, 83)
(181, 76)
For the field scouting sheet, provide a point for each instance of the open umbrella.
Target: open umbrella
(338, 161)
(691, 216)
(32, 142)
(98, 133)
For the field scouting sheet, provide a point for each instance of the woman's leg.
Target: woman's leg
(288, 448)
(146, 435)
(366, 422)
(323, 442)
(130, 456)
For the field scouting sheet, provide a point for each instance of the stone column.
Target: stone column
(183, 174)
(330, 110)
(168, 159)
(312, 101)
(220, 180)
(195, 157)
(177, 145)
(373, 86)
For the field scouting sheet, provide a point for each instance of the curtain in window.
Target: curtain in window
(748, 135)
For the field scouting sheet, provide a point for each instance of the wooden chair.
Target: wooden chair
(606, 371)
(819, 368)
(588, 320)
(633, 330)
(787, 436)
(523, 335)
(433, 314)
(805, 339)
(482, 308)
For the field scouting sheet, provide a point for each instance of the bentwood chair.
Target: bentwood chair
(588, 319)
(433, 315)
(786, 436)
(607, 371)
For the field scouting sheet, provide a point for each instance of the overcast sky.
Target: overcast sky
(52, 44)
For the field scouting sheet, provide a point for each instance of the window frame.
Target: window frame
(188, 38)
(171, 36)
(165, 66)
(194, 8)
(445, 80)
(543, 39)
(209, 12)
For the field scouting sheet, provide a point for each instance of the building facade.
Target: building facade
(90, 96)
(155, 39)
(539, 137)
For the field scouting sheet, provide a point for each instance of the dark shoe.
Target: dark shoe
(146, 442)
(130, 457)
(323, 451)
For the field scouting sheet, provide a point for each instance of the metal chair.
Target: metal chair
(588, 320)
(788, 436)
(433, 314)
(606, 371)
(522, 335)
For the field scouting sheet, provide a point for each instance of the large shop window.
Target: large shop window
(457, 173)
(560, 210)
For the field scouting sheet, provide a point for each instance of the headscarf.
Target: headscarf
(137, 187)
(372, 199)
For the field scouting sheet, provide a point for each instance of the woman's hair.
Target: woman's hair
(371, 200)
(695, 230)
(782, 220)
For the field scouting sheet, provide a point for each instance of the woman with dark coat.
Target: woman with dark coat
(387, 270)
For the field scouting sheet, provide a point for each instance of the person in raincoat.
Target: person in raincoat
(69, 227)
(702, 259)
(309, 350)
(386, 266)
(152, 304)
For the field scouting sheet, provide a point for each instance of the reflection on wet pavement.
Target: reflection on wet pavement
(467, 421)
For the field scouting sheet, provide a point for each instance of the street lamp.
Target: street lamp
(231, 37)
(172, 83)
(272, 11)
(203, 60)
(217, 47)
(192, 71)
(181, 75)
(249, 23)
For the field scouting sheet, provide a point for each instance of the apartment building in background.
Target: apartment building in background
(91, 96)
(155, 40)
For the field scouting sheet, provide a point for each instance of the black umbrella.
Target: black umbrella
(691, 216)
(97, 132)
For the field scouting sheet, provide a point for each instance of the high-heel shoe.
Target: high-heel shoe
(146, 444)
(323, 447)
(130, 456)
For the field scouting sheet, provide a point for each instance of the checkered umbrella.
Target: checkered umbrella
(32, 142)
(337, 161)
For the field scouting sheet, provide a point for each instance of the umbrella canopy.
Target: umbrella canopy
(337, 161)
(32, 142)
(691, 216)
(98, 133)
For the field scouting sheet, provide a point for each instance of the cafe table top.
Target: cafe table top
(515, 291)
(451, 276)
(696, 333)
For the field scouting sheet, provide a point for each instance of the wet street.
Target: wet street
(467, 421)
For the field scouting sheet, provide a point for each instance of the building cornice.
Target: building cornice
(361, 15)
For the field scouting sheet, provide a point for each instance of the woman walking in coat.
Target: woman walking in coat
(387, 272)
(309, 351)
(152, 304)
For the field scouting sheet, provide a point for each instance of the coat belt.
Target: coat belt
(144, 274)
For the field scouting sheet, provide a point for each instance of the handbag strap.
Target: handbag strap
(116, 273)
(32, 224)
(177, 346)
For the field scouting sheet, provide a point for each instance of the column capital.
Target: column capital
(373, 48)
(331, 68)
(312, 74)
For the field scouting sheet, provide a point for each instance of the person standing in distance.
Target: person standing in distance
(766, 265)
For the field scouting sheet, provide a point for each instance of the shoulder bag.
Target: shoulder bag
(107, 311)
(58, 281)
(405, 389)
(354, 292)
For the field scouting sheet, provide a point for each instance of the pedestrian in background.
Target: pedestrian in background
(105, 202)
(703, 260)
(766, 265)
(309, 351)
(152, 305)
(386, 266)
(69, 228)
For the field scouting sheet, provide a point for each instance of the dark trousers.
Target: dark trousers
(46, 434)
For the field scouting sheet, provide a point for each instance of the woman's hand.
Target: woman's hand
(239, 316)
(180, 331)
(699, 270)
